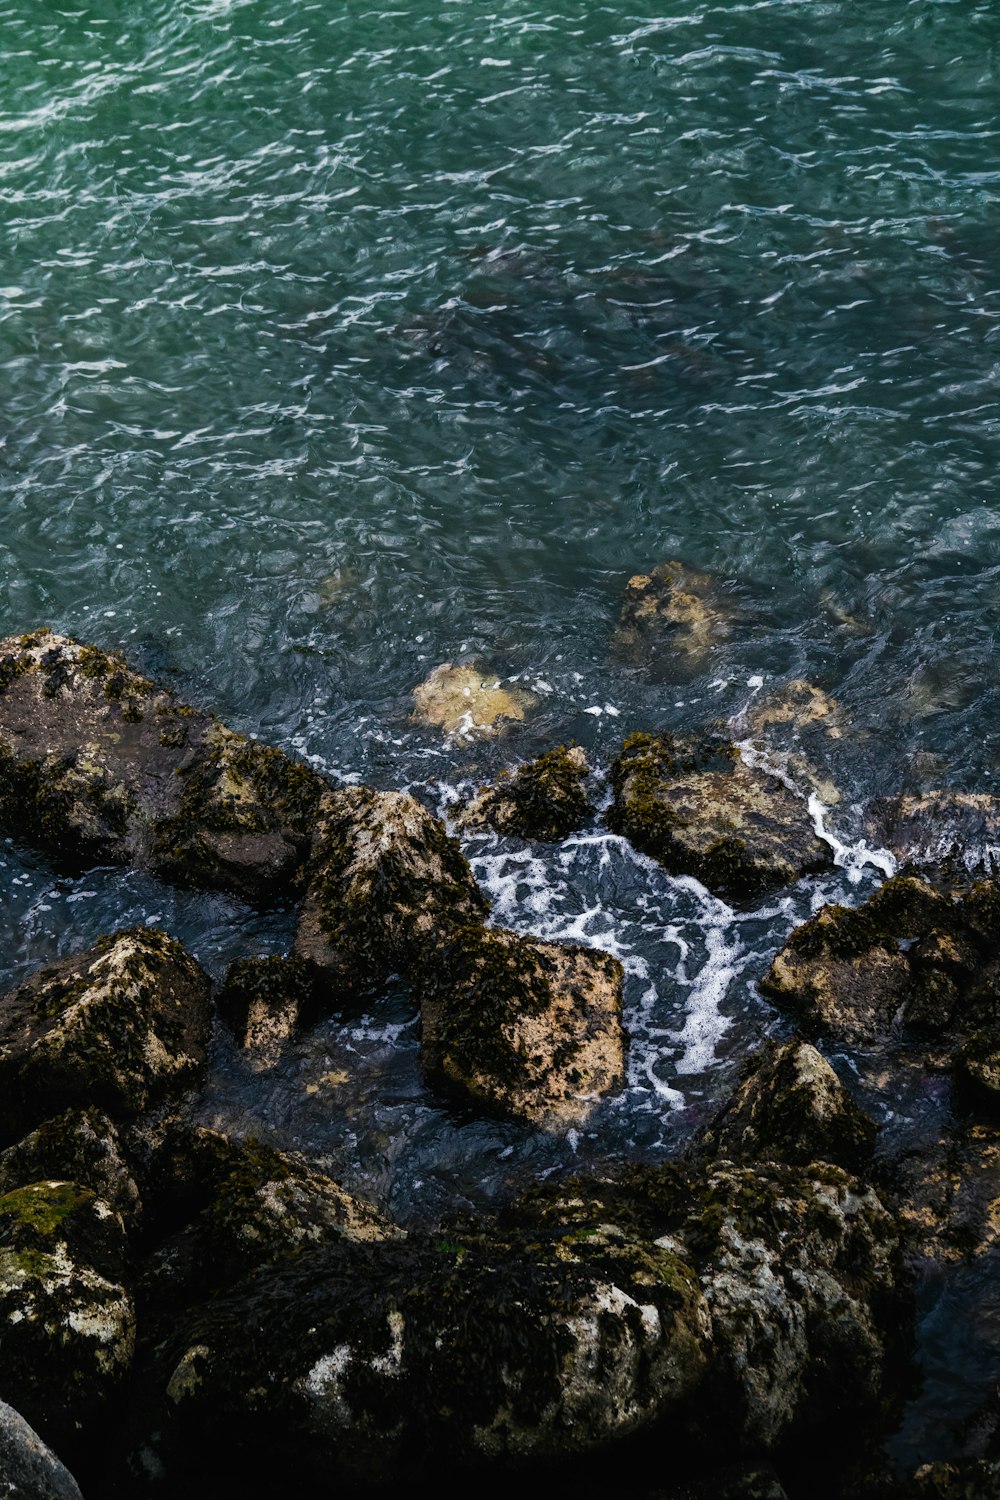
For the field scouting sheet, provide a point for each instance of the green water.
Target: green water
(337, 342)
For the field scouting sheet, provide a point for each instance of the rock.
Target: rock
(977, 1065)
(28, 1469)
(100, 765)
(700, 809)
(939, 829)
(792, 1108)
(735, 1482)
(522, 1027)
(119, 1027)
(545, 799)
(67, 1323)
(386, 884)
(795, 705)
(263, 1001)
(674, 615)
(81, 1146)
(467, 705)
(968, 1479)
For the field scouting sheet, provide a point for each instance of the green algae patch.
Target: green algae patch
(545, 799)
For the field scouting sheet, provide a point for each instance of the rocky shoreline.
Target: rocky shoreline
(186, 1312)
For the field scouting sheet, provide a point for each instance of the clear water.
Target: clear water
(339, 341)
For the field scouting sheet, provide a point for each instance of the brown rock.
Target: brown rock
(468, 705)
(545, 799)
(675, 614)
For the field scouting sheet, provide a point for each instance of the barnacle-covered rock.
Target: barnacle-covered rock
(523, 1027)
(674, 615)
(702, 810)
(120, 1027)
(791, 1108)
(467, 704)
(29, 1468)
(67, 1322)
(544, 799)
(99, 764)
(386, 883)
(82, 1146)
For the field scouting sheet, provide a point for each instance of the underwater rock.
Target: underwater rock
(386, 883)
(673, 615)
(468, 705)
(263, 1001)
(98, 764)
(794, 705)
(791, 1108)
(911, 959)
(29, 1470)
(946, 1190)
(523, 1027)
(939, 829)
(81, 1146)
(545, 799)
(67, 1323)
(700, 809)
(120, 1027)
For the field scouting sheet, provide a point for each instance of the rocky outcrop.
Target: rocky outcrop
(523, 1027)
(98, 764)
(791, 1108)
(82, 1146)
(702, 810)
(120, 1027)
(673, 616)
(29, 1470)
(467, 705)
(386, 884)
(545, 799)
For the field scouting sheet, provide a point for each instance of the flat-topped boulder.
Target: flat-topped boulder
(468, 704)
(701, 809)
(121, 1027)
(386, 883)
(522, 1027)
(544, 799)
(98, 764)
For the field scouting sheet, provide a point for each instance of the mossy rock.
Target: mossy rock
(468, 705)
(119, 1027)
(97, 763)
(67, 1322)
(791, 1108)
(82, 1146)
(263, 1001)
(674, 616)
(522, 1027)
(546, 799)
(701, 810)
(386, 884)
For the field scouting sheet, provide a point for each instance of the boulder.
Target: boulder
(386, 883)
(119, 1027)
(938, 829)
(967, 1479)
(468, 705)
(545, 799)
(82, 1146)
(522, 1027)
(263, 1001)
(791, 1108)
(701, 809)
(29, 1470)
(98, 764)
(673, 616)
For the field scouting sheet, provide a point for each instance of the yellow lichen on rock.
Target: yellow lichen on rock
(468, 705)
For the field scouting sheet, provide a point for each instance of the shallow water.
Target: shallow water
(337, 342)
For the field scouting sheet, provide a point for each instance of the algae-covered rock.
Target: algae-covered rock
(99, 764)
(938, 829)
(29, 1470)
(965, 1479)
(673, 615)
(263, 1001)
(523, 1027)
(467, 704)
(702, 810)
(791, 1108)
(793, 707)
(977, 1064)
(544, 799)
(67, 1322)
(119, 1027)
(82, 1146)
(386, 883)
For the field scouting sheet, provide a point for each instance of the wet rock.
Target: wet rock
(119, 1027)
(545, 799)
(795, 706)
(263, 1001)
(67, 1322)
(81, 1146)
(735, 1482)
(968, 1479)
(939, 830)
(522, 1027)
(29, 1470)
(98, 764)
(792, 1108)
(468, 705)
(386, 884)
(977, 1065)
(674, 615)
(702, 810)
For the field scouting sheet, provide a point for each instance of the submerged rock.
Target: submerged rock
(81, 1146)
(523, 1027)
(545, 799)
(795, 706)
(675, 614)
(468, 705)
(386, 884)
(791, 1108)
(120, 1027)
(29, 1470)
(99, 764)
(702, 810)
